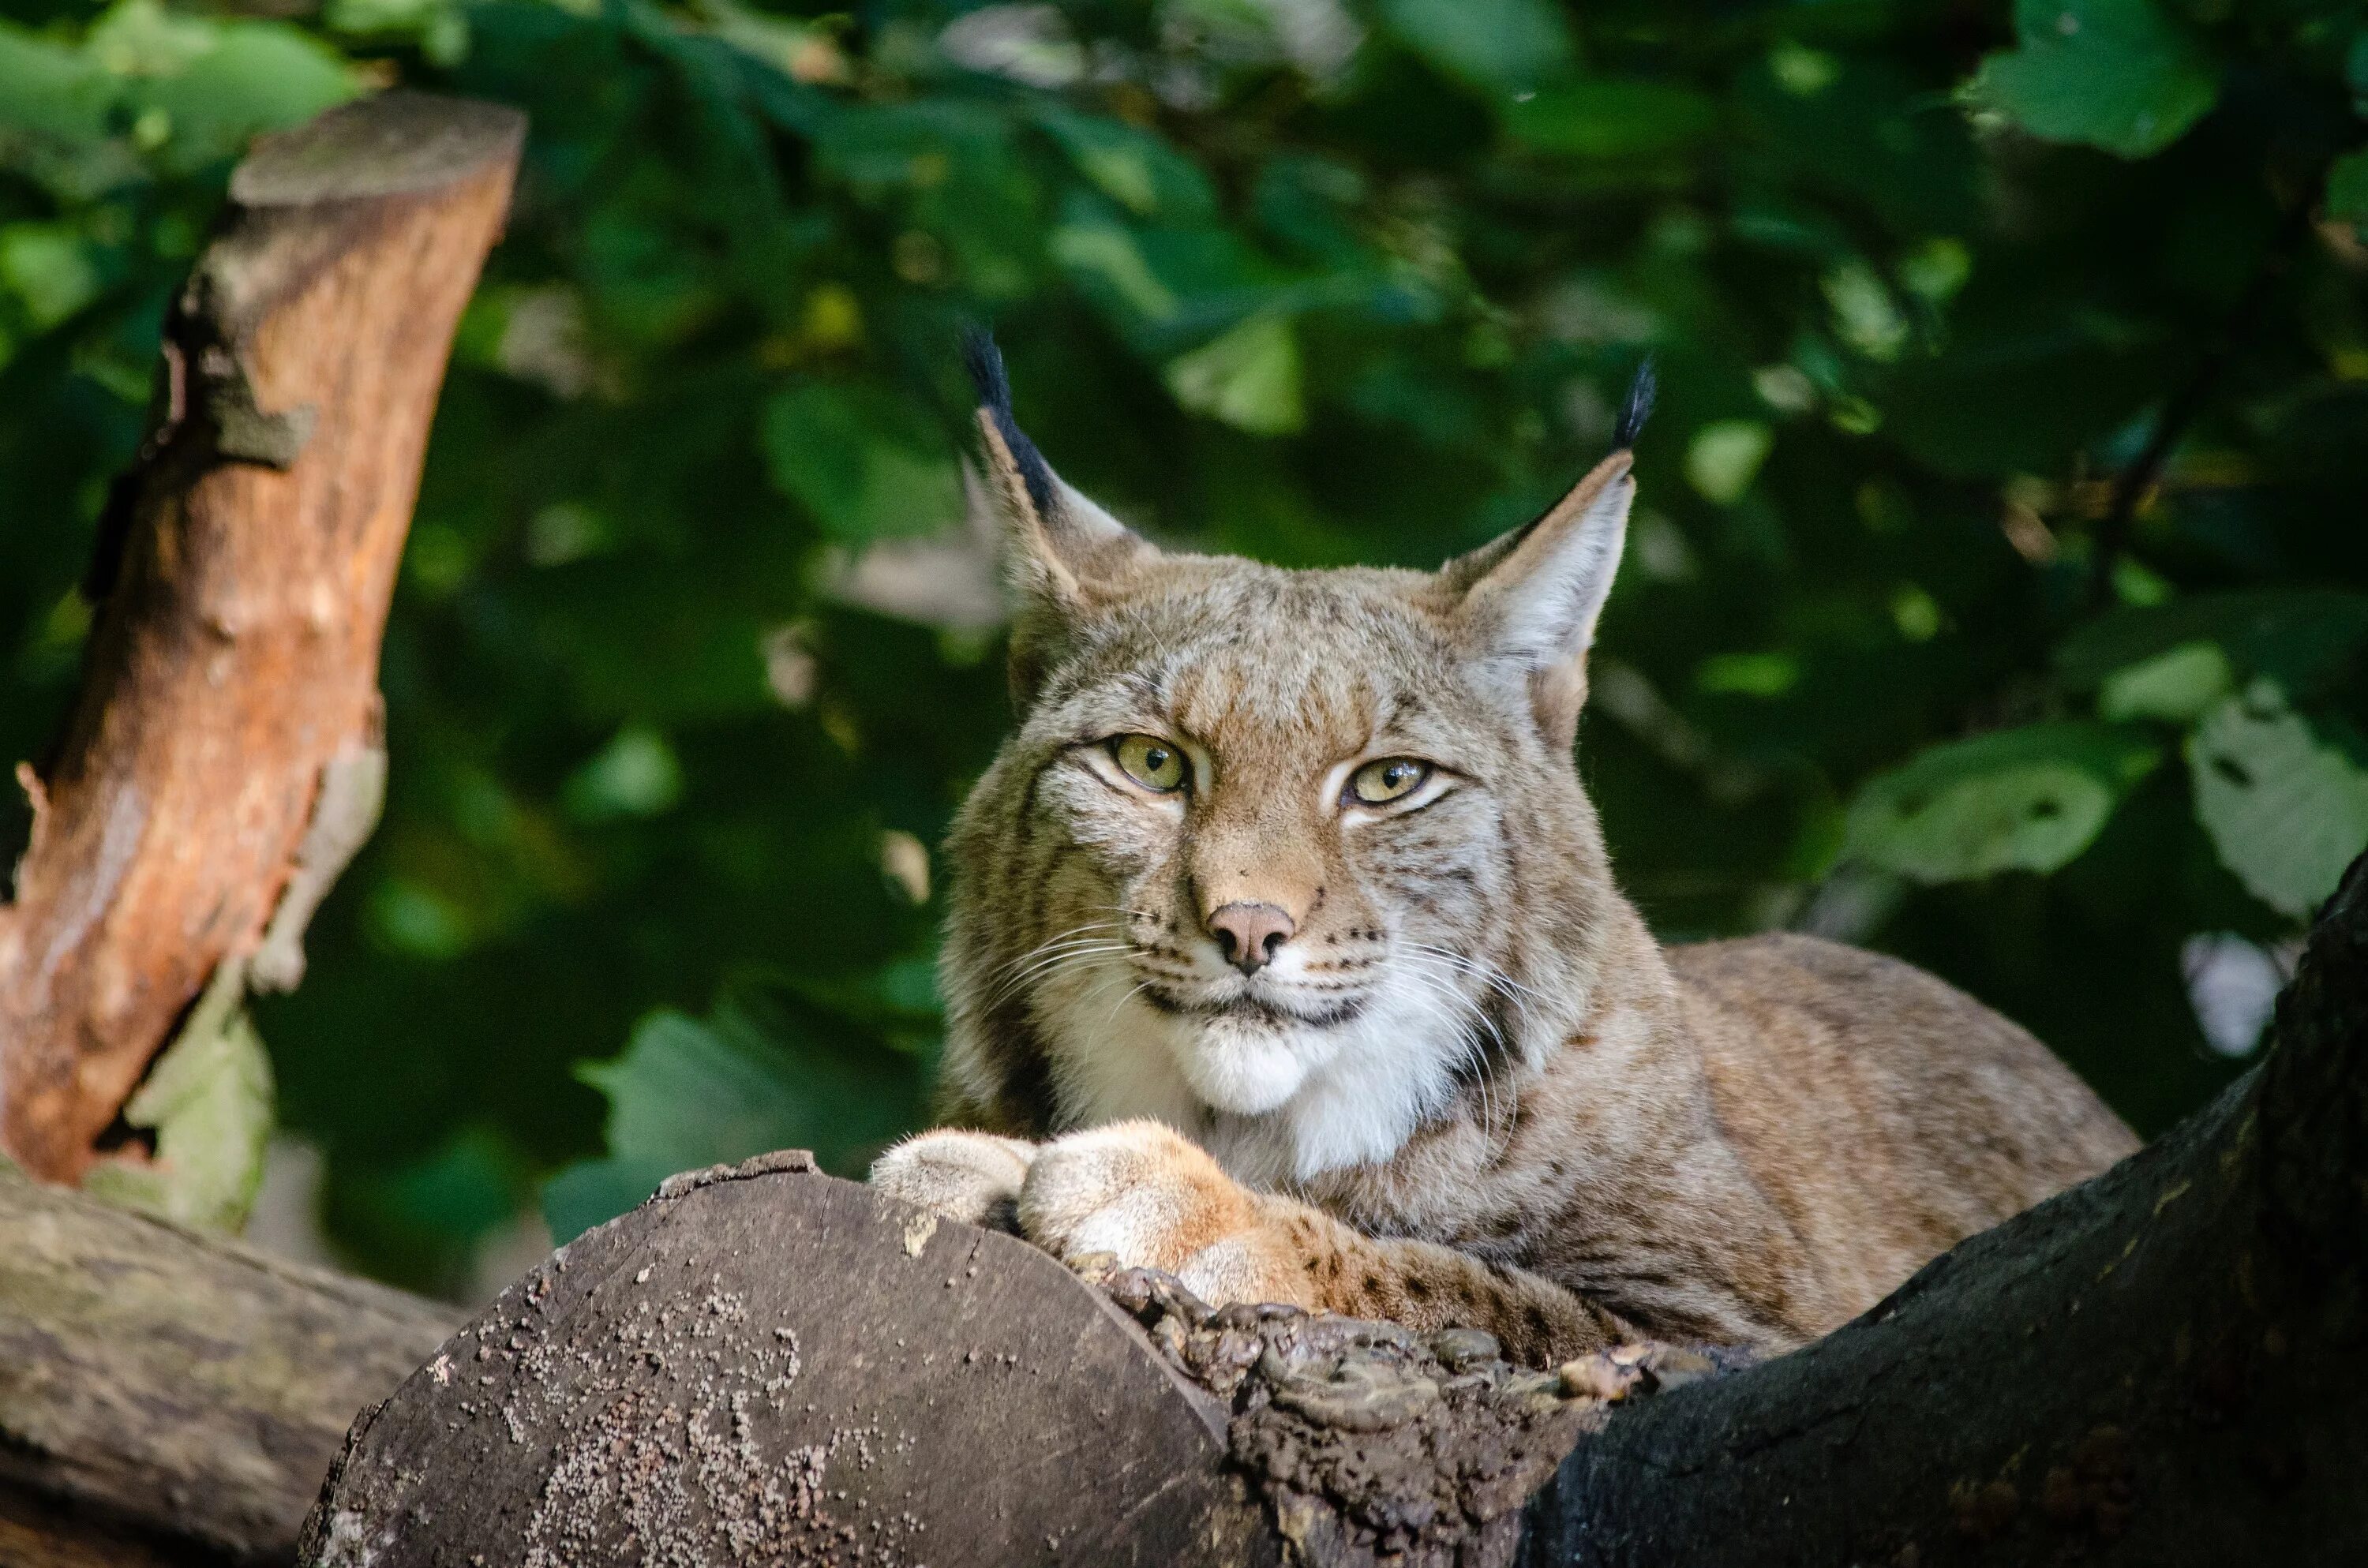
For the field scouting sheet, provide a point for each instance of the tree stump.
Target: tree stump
(765, 1364)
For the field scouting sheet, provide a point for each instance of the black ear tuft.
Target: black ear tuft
(1633, 411)
(984, 360)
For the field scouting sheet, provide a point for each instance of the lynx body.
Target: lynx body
(1285, 955)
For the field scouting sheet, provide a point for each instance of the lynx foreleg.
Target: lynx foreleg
(1140, 1192)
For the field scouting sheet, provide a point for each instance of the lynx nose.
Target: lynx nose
(1248, 934)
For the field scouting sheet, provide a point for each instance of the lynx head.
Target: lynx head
(1291, 860)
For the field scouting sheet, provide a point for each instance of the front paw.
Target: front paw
(973, 1177)
(1136, 1190)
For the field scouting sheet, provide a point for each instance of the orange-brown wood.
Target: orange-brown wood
(246, 571)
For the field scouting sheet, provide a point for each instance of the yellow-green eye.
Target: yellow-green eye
(1392, 777)
(1151, 762)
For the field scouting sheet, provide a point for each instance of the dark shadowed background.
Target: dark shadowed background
(1997, 593)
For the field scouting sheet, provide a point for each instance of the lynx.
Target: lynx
(1284, 954)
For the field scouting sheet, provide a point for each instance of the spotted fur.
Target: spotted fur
(1470, 1087)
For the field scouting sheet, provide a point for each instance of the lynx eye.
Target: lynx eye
(1392, 777)
(1151, 762)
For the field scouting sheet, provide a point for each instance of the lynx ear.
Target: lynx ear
(1057, 545)
(1526, 604)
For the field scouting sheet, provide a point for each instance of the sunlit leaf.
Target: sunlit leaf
(2014, 799)
(2286, 807)
(858, 463)
(1107, 255)
(765, 1071)
(2115, 73)
(49, 267)
(1511, 45)
(207, 1102)
(634, 774)
(2177, 686)
(2299, 637)
(1134, 167)
(1725, 457)
(1248, 378)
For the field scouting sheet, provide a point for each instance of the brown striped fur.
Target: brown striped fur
(1471, 1087)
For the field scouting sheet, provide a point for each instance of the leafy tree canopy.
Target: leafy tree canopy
(1997, 593)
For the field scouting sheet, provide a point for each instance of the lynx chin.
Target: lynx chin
(1285, 955)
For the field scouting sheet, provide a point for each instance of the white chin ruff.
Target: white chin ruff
(1245, 1070)
(1288, 1103)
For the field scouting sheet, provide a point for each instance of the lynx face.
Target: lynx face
(1249, 862)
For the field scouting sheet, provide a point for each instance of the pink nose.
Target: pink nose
(1248, 934)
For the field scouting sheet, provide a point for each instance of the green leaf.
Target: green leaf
(47, 265)
(1611, 119)
(859, 462)
(767, 1070)
(2176, 687)
(208, 1101)
(49, 90)
(2112, 73)
(2286, 810)
(200, 88)
(1135, 169)
(1724, 456)
(2347, 187)
(1865, 315)
(2017, 799)
(1769, 675)
(1510, 45)
(635, 775)
(2298, 637)
(1105, 256)
(1248, 378)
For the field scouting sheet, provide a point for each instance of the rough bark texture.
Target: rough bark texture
(2167, 1366)
(167, 1397)
(221, 762)
(764, 1365)
(767, 1365)
(1367, 1446)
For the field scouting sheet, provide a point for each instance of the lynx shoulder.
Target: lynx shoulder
(1285, 954)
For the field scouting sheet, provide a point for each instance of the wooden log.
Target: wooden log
(166, 1396)
(765, 1364)
(223, 756)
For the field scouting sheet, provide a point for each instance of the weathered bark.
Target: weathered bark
(223, 758)
(766, 1365)
(168, 1397)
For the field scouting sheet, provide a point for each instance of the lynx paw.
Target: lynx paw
(971, 1177)
(1141, 1192)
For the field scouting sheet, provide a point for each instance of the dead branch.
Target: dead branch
(223, 756)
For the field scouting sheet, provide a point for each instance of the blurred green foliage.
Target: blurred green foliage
(1996, 597)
